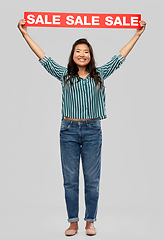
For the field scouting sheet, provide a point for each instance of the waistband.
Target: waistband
(81, 122)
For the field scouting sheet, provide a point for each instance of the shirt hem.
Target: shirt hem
(100, 117)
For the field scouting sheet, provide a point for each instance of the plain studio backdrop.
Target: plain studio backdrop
(131, 200)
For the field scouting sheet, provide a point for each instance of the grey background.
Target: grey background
(32, 202)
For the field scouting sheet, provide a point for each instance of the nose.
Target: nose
(81, 54)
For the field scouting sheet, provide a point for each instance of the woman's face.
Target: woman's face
(81, 55)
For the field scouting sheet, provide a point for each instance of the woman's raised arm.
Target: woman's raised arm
(128, 47)
(35, 48)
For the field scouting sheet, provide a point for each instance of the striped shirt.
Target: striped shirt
(83, 100)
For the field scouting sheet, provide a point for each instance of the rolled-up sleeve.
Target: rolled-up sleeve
(107, 69)
(53, 68)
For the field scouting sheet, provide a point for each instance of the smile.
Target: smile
(81, 59)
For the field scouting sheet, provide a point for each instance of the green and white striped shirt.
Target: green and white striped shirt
(83, 100)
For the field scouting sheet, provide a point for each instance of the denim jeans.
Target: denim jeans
(81, 138)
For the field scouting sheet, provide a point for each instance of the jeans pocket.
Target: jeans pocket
(65, 125)
(96, 124)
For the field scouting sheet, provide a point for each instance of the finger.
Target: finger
(144, 26)
(142, 22)
(23, 21)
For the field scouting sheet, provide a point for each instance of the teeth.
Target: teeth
(81, 59)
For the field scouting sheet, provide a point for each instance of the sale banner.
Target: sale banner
(82, 20)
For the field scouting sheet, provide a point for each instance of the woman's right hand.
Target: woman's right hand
(21, 26)
(34, 47)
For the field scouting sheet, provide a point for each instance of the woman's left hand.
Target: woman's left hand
(140, 31)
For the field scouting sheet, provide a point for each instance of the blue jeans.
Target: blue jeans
(81, 138)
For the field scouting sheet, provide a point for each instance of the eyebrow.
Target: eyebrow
(84, 49)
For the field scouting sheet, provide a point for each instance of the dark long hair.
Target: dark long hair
(73, 69)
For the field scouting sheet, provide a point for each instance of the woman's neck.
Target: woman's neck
(82, 71)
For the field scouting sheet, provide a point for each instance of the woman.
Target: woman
(83, 106)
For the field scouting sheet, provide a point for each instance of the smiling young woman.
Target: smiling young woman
(83, 106)
(81, 57)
